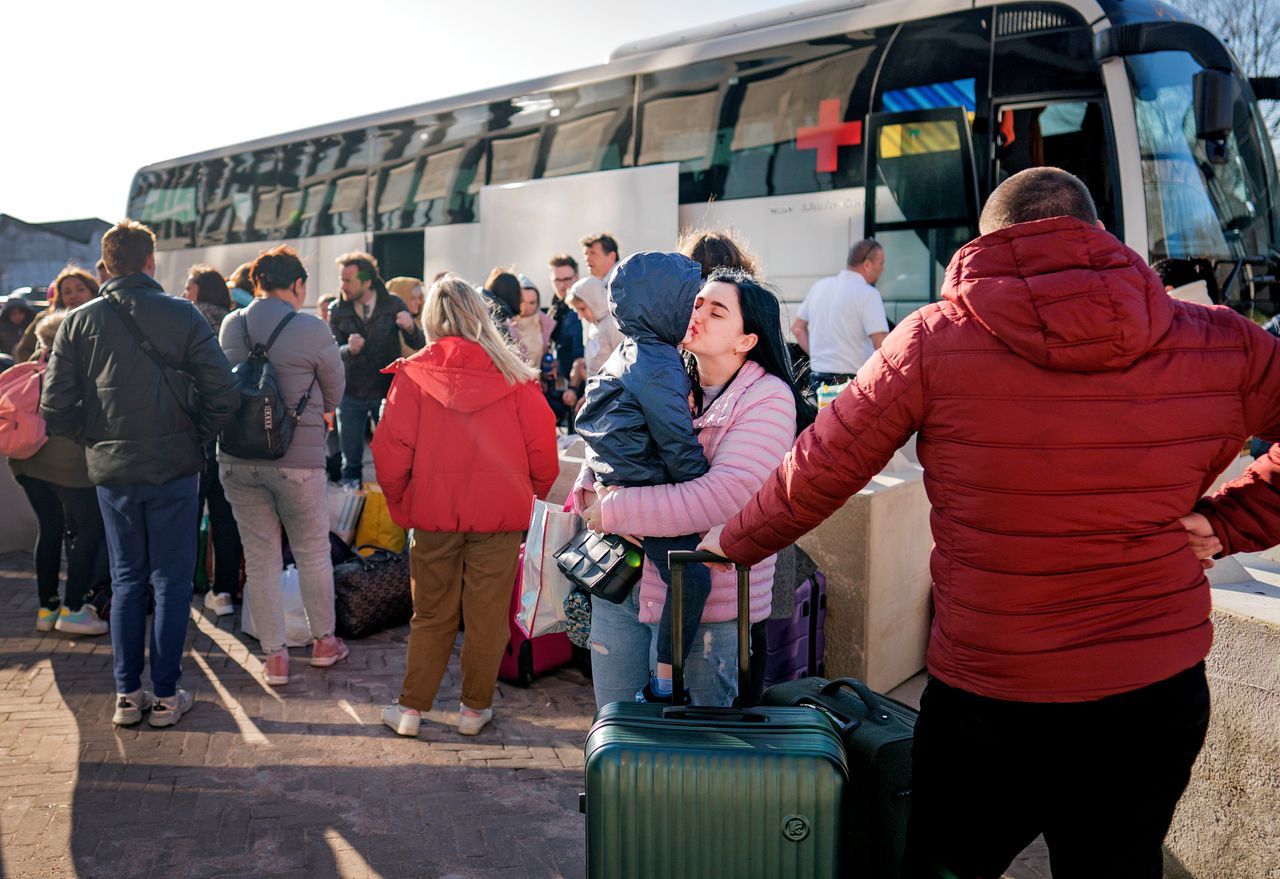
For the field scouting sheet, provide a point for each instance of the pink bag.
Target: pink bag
(21, 427)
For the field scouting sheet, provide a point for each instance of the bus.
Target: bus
(804, 129)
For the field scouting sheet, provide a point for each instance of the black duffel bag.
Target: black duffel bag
(372, 593)
(877, 733)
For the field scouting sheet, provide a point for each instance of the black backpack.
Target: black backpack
(263, 425)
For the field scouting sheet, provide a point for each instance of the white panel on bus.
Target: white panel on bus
(525, 224)
(454, 248)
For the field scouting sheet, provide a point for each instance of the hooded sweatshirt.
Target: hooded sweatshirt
(635, 416)
(1068, 413)
(600, 335)
(11, 333)
(458, 447)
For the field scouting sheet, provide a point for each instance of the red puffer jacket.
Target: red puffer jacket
(460, 449)
(1069, 412)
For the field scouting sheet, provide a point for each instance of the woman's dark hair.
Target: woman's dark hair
(505, 288)
(761, 315)
(211, 287)
(276, 269)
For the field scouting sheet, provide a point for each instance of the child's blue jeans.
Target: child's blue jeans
(697, 589)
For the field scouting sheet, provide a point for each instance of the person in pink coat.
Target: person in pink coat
(746, 408)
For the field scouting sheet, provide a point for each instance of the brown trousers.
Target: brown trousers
(471, 574)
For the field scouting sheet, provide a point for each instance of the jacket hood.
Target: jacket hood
(591, 291)
(456, 372)
(47, 328)
(652, 295)
(17, 303)
(1062, 294)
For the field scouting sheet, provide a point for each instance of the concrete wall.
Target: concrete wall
(17, 521)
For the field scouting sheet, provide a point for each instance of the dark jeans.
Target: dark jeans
(141, 521)
(69, 514)
(222, 526)
(354, 414)
(697, 589)
(1099, 779)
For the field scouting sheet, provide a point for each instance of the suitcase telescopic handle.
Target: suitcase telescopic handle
(676, 560)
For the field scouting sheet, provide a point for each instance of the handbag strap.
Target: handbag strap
(149, 348)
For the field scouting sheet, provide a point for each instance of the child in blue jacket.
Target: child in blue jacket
(637, 424)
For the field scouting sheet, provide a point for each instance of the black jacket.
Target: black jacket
(365, 380)
(102, 390)
(635, 419)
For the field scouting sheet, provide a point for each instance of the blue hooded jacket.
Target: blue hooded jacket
(635, 419)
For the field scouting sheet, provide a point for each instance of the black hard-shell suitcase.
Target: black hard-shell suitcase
(877, 733)
(681, 791)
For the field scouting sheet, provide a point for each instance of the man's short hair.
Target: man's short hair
(1037, 194)
(604, 239)
(563, 259)
(126, 247)
(366, 265)
(863, 251)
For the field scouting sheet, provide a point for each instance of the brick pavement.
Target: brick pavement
(300, 783)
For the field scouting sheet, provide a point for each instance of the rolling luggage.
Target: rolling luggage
(729, 793)
(525, 657)
(877, 733)
(795, 645)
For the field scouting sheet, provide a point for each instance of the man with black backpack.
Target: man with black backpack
(138, 378)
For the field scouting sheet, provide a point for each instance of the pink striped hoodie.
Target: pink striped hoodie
(745, 432)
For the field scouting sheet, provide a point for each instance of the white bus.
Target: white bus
(805, 129)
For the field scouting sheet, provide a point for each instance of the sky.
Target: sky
(95, 90)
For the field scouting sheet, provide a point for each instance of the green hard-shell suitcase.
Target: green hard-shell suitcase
(729, 793)
(877, 733)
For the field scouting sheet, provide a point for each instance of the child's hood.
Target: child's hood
(652, 294)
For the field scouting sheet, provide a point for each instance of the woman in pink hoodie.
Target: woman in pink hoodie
(746, 405)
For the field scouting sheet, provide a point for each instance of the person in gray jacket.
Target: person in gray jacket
(290, 490)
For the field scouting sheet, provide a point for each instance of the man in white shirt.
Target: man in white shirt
(842, 322)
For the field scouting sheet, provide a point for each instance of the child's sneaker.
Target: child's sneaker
(46, 617)
(405, 721)
(219, 602)
(650, 694)
(276, 669)
(130, 707)
(328, 651)
(166, 711)
(85, 621)
(471, 724)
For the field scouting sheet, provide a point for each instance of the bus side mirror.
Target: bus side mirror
(1214, 96)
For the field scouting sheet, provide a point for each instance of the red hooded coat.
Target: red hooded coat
(460, 449)
(1068, 413)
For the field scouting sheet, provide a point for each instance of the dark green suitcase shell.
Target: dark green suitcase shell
(717, 793)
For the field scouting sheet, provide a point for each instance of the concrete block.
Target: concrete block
(19, 528)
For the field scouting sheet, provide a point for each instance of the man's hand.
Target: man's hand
(355, 342)
(711, 543)
(569, 398)
(1201, 538)
(404, 321)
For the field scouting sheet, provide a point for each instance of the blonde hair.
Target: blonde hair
(454, 308)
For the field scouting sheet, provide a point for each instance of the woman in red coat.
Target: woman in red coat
(465, 442)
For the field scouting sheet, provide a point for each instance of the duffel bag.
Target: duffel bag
(877, 733)
(372, 593)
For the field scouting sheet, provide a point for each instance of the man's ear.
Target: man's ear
(149, 268)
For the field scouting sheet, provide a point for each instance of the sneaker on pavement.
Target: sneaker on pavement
(85, 621)
(168, 711)
(46, 618)
(276, 669)
(470, 724)
(219, 602)
(328, 651)
(405, 721)
(130, 707)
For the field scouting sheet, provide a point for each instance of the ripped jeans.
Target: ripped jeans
(623, 650)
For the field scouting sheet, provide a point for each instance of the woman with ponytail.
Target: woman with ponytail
(465, 442)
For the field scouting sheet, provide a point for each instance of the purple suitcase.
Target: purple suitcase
(789, 641)
(817, 627)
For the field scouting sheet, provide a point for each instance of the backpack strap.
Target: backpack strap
(271, 340)
(168, 372)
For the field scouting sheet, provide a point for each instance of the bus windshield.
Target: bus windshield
(1197, 208)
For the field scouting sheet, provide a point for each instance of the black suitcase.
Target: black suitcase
(877, 733)
(731, 793)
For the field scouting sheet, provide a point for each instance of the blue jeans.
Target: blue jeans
(623, 650)
(354, 414)
(140, 520)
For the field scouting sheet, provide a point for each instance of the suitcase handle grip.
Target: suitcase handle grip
(681, 557)
(846, 724)
(861, 690)
(681, 712)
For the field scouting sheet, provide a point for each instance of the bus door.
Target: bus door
(921, 201)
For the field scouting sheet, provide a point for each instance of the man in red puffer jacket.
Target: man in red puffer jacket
(1069, 417)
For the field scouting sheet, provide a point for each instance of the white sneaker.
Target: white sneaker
(85, 621)
(471, 724)
(405, 721)
(168, 711)
(219, 602)
(130, 707)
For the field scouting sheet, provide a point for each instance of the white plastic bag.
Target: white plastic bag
(296, 631)
(345, 505)
(543, 588)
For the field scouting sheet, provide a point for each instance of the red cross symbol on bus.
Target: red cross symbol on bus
(828, 134)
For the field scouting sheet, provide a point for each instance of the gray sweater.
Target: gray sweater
(305, 350)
